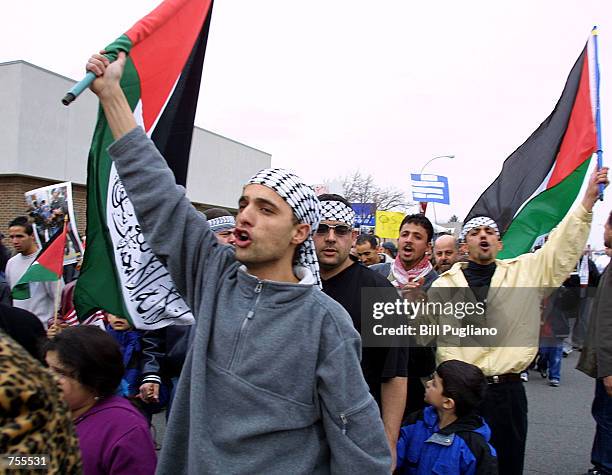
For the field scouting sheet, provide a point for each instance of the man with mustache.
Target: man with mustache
(445, 253)
(511, 291)
(412, 273)
(385, 369)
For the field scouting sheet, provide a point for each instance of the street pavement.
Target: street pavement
(561, 427)
(560, 430)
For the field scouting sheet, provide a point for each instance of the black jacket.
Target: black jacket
(25, 328)
(164, 352)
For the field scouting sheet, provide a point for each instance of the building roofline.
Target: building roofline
(40, 68)
(232, 140)
(27, 63)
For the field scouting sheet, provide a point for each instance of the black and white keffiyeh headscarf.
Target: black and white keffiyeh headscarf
(476, 223)
(222, 223)
(337, 211)
(305, 205)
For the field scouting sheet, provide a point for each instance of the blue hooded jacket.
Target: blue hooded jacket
(460, 448)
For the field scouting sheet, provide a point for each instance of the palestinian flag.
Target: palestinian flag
(161, 81)
(540, 181)
(47, 267)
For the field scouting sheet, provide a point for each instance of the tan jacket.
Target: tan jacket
(516, 313)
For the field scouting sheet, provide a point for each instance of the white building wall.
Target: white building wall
(40, 137)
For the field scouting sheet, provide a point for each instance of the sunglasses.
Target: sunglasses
(339, 229)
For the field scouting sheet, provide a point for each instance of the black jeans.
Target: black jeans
(601, 456)
(505, 410)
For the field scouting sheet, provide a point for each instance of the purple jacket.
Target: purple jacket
(115, 439)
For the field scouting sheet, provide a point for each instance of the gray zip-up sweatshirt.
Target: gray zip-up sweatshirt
(272, 383)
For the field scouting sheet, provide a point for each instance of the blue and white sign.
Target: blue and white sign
(365, 214)
(430, 188)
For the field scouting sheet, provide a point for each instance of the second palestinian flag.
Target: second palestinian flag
(540, 181)
(47, 267)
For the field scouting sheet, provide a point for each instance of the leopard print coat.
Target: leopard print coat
(34, 419)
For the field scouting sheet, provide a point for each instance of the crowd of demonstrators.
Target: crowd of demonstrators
(273, 378)
(385, 369)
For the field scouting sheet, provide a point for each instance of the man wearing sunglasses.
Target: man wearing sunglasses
(343, 276)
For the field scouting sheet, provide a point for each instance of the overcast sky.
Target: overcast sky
(328, 87)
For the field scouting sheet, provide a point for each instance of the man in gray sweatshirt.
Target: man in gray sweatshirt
(272, 383)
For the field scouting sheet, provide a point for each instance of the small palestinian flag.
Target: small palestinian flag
(47, 267)
(540, 181)
(161, 81)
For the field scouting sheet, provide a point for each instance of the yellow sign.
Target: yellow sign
(388, 224)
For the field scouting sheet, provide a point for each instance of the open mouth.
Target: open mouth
(243, 238)
(484, 246)
(329, 251)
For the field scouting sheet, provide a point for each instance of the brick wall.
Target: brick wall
(12, 203)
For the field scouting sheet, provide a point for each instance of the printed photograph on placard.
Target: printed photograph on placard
(47, 207)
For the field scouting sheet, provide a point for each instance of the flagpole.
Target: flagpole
(59, 281)
(56, 302)
(595, 34)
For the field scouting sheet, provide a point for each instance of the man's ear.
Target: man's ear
(354, 235)
(500, 245)
(300, 234)
(463, 249)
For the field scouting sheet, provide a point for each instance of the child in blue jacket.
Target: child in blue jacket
(448, 436)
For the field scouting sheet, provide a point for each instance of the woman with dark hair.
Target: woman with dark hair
(114, 437)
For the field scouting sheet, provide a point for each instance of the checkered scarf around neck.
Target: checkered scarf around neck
(337, 211)
(222, 223)
(403, 276)
(476, 223)
(305, 205)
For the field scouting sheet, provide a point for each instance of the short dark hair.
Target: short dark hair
(92, 355)
(24, 222)
(333, 197)
(419, 220)
(610, 219)
(464, 383)
(370, 238)
(213, 213)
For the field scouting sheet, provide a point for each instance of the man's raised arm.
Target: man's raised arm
(559, 255)
(176, 232)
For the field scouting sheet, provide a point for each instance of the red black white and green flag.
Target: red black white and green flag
(47, 267)
(161, 81)
(541, 180)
